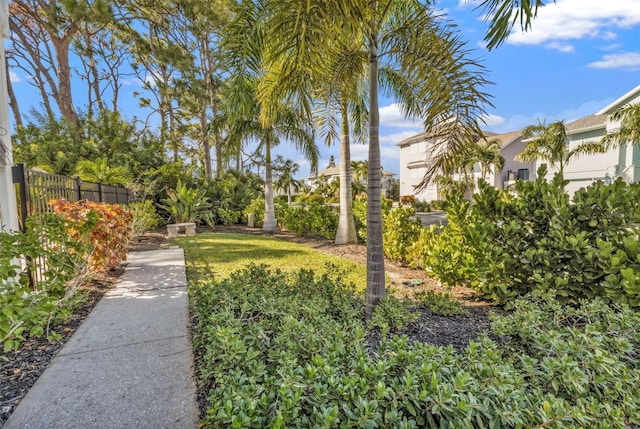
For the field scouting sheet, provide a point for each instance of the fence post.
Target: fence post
(76, 188)
(100, 195)
(20, 178)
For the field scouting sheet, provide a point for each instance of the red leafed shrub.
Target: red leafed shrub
(107, 227)
(407, 199)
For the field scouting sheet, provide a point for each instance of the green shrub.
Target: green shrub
(229, 217)
(443, 303)
(311, 219)
(145, 217)
(422, 206)
(290, 351)
(232, 193)
(400, 230)
(439, 204)
(184, 204)
(258, 209)
(360, 214)
(506, 246)
(392, 315)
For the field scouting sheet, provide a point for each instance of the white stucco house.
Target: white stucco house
(333, 173)
(416, 153)
(621, 161)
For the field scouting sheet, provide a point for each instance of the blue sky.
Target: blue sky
(580, 56)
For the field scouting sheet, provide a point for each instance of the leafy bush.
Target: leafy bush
(76, 241)
(145, 217)
(278, 351)
(185, 204)
(311, 219)
(400, 231)
(439, 204)
(360, 213)
(506, 246)
(258, 209)
(232, 193)
(422, 206)
(106, 228)
(407, 199)
(229, 217)
(443, 303)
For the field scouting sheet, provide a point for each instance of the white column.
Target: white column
(8, 206)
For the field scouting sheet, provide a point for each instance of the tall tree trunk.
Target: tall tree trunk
(375, 250)
(204, 121)
(13, 101)
(206, 147)
(65, 100)
(346, 233)
(269, 212)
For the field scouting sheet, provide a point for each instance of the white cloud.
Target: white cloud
(559, 46)
(397, 137)
(389, 155)
(468, 3)
(577, 19)
(626, 60)
(13, 76)
(391, 116)
(518, 122)
(612, 47)
(493, 120)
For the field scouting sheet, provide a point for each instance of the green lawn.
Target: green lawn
(216, 255)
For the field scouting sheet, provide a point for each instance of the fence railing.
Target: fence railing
(37, 188)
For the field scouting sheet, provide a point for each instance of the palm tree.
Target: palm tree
(410, 52)
(549, 144)
(244, 41)
(489, 157)
(629, 131)
(99, 171)
(286, 180)
(360, 170)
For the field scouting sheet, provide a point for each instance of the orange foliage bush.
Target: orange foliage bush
(107, 227)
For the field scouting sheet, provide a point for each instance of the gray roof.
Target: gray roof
(591, 121)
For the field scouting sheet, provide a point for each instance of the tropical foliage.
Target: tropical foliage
(506, 246)
(282, 350)
(184, 204)
(549, 144)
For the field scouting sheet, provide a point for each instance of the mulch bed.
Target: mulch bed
(19, 370)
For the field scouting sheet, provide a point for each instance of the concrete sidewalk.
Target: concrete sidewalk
(130, 364)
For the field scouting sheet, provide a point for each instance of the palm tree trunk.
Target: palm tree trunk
(269, 212)
(375, 251)
(346, 233)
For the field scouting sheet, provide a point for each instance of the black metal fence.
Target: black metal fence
(37, 188)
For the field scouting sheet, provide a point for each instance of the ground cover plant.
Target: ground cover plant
(289, 350)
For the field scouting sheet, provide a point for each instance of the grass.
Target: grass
(216, 255)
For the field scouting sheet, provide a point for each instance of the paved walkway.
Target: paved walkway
(130, 364)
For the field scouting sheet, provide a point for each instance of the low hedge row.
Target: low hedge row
(291, 352)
